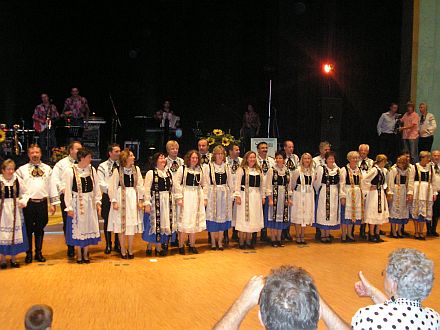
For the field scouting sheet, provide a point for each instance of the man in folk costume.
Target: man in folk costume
(265, 162)
(234, 161)
(105, 172)
(292, 163)
(36, 177)
(432, 226)
(57, 184)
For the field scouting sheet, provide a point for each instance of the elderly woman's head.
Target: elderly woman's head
(409, 274)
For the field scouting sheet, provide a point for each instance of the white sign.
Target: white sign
(271, 145)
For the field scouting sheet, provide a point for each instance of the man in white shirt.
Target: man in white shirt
(234, 161)
(203, 147)
(57, 184)
(36, 177)
(319, 160)
(265, 162)
(427, 128)
(432, 225)
(105, 172)
(364, 164)
(292, 160)
(386, 129)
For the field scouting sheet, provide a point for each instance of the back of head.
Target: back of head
(38, 317)
(289, 300)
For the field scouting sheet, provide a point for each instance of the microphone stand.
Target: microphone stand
(115, 121)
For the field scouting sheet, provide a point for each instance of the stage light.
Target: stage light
(328, 68)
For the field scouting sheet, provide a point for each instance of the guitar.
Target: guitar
(40, 127)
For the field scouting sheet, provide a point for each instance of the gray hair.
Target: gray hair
(38, 317)
(289, 300)
(352, 154)
(413, 273)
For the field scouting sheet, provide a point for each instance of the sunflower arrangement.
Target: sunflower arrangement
(58, 153)
(219, 137)
(2, 136)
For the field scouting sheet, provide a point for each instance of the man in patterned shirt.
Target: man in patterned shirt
(44, 115)
(76, 109)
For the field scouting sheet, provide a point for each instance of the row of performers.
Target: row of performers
(183, 197)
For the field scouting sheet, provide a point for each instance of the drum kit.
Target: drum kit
(15, 140)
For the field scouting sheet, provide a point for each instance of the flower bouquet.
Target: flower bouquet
(219, 137)
(58, 153)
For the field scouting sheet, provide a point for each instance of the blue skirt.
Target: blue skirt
(420, 218)
(213, 226)
(266, 211)
(324, 227)
(399, 221)
(278, 225)
(348, 221)
(151, 238)
(12, 250)
(78, 242)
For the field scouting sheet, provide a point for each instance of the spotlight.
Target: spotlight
(328, 68)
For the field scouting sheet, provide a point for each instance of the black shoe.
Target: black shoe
(70, 251)
(3, 265)
(124, 256)
(303, 242)
(182, 250)
(160, 253)
(193, 250)
(399, 235)
(251, 246)
(86, 261)
(117, 248)
(28, 258)
(394, 236)
(14, 264)
(213, 248)
(422, 238)
(349, 239)
(281, 244)
(164, 246)
(241, 246)
(130, 256)
(220, 248)
(435, 234)
(175, 243)
(381, 232)
(372, 238)
(39, 257)
(318, 235)
(274, 243)
(108, 249)
(148, 252)
(79, 261)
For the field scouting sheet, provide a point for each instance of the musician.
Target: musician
(57, 184)
(44, 116)
(105, 172)
(76, 109)
(166, 116)
(36, 177)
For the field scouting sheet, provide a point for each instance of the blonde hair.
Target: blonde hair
(245, 164)
(352, 154)
(424, 154)
(123, 156)
(8, 162)
(402, 159)
(218, 150)
(170, 144)
(301, 162)
(380, 158)
(425, 104)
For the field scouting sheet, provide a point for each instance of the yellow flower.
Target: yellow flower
(226, 142)
(211, 141)
(217, 132)
(2, 135)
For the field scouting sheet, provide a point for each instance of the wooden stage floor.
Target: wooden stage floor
(186, 292)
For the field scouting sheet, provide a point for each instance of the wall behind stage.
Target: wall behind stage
(427, 86)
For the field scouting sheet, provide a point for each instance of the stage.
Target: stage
(185, 292)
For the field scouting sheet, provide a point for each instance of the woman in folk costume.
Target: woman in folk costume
(83, 205)
(397, 194)
(159, 217)
(279, 193)
(249, 196)
(302, 211)
(351, 197)
(219, 182)
(13, 239)
(126, 193)
(191, 196)
(423, 187)
(376, 205)
(327, 189)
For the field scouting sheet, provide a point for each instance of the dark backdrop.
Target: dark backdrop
(209, 57)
